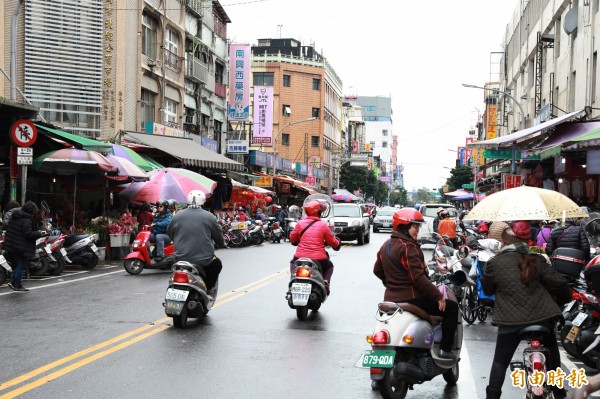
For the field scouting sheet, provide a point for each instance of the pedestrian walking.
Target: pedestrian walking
(571, 235)
(19, 242)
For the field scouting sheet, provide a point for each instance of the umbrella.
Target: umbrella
(343, 197)
(72, 161)
(132, 156)
(168, 183)
(525, 203)
(126, 169)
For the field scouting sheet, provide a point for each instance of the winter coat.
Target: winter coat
(161, 222)
(516, 303)
(413, 281)
(312, 243)
(261, 216)
(544, 236)
(7, 215)
(145, 218)
(21, 234)
(573, 237)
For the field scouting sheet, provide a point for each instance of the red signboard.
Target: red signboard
(23, 133)
(512, 181)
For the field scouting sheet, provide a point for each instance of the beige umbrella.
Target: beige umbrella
(525, 203)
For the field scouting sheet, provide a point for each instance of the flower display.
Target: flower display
(123, 225)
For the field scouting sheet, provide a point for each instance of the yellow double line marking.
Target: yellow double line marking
(131, 337)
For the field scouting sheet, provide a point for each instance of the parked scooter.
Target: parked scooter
(403, 352)
(56, 243)
(307, 289)
(40, 263)
(187, 295)
(143, 252)
(80, 250)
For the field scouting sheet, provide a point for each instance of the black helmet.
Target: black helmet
(162, 202)
(172, 202)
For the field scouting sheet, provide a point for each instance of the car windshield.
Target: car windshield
(352, 211)
(386, 212)
(432, 212)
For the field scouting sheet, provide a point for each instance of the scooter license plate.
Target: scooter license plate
(300, 293)
(597, 332)
(94, 248)
(174, 294)
(572, 334)
(63, 252)
(4, 263)
(378, 359)
(47, 249)
(568, 307)
(579, 319)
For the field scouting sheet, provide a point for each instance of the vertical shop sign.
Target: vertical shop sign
(512, 181)
(108, 92)
(239, 80)
(263, 115)
(492, 121)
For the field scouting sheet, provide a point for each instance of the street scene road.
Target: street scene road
(103, 333)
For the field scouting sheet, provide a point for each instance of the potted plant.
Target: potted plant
(120, 229)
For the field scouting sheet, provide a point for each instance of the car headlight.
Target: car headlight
(356, 223)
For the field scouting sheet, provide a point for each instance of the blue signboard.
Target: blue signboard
(211, 144)
(302, 169)
(288, 166)
(258, 158)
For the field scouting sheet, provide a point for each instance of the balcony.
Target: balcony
(220, 90)
(195, 5)
(195, 69)
(172, 61)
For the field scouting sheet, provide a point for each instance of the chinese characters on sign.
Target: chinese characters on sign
(492, 121)
(511, 181)
(263, 115)
(239, 79)
(237, 146)
(575, 379)
(108, 93)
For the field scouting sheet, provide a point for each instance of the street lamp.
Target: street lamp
(513, 166)
(277, 138)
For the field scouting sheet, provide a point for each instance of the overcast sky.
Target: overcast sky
(417, 52)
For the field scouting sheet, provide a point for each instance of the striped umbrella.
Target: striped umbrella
(169, 183)
(131, 156)
(126, 170)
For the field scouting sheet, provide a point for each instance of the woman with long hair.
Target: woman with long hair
(527, 290)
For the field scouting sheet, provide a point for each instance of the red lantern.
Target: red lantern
(250, 194)
(268, 199)
(258, 195)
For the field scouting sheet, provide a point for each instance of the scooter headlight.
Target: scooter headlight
(136, 243)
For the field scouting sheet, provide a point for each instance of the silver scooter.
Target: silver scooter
(405, 344)
(186, 295)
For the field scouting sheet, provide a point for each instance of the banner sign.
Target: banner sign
(258, 158)
(512, 181)
(507, 154)
(263, 115)
(462, 156)
(237, 146)
(355, 147)
(301, 168)
(492, 121)
(264, 181)
(239, 82)
(478, 157)
(211, 144)
(311, 180)
(162, 130)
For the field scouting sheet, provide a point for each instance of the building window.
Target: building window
(314, 141)
(315, 112)
(149, 26)
(316, 84)
(219, 70)
(172, 41)
(384, 132)
(147, 107)
(285, 139)
(263, 78)
(286, 110)
(384, 144)
(170, 111)
(287, 80)
(369, 108)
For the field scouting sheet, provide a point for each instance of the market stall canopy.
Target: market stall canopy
(189, 152)
(237, 184)
(522, 135)
(296, 183)
(75, 140)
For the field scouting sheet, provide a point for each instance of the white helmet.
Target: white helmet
(196, 198)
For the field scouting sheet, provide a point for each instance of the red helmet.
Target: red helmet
(314, 208)
(407, 216)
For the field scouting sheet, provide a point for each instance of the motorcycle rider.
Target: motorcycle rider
(173, 206)
(527, 292)
(159, 228)
(447, 227)
(310, 235)
(193, 229)
(401, 267)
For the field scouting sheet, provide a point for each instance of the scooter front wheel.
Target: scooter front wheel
(44, 265)
(2, 275)
(451, 376)
(134, 266)
(92, 263)
(58, 268)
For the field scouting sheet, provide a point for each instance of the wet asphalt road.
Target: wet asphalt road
(103, 334)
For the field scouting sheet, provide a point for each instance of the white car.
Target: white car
(353, 221)
(429, 212)
(384, 218)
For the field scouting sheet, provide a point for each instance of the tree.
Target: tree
(459, 176)
(353, 177)
(399, 196)
(424, 196)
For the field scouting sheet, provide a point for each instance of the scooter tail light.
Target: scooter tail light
(595, 314)
(535, 343)
(575, 296)
(381, 337)
(538, 365)
(303, 272)
(376, 371)
(180, 277)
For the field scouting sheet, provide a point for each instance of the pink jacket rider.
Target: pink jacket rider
(312, 243)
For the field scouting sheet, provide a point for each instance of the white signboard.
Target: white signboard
(24, 160)
(26, 151)
(237, 147)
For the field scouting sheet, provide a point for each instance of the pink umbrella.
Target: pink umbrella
(126, 169)
(169, 183)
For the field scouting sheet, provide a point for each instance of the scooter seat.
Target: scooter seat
(417, 311)
(74, 238)
(536, 328)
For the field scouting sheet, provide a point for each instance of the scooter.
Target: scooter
(405, 345)
(40, 263)
(140, 258)
(187, 295)
(80, 250)
(307, 289)
(56, 243)
(275, 233)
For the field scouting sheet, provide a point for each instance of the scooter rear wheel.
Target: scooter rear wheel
(389, 390)
(181, 321)
(91, 263)
(2, 275)
(44, 265)
(302, 312)
(134, 266)
(59, 267)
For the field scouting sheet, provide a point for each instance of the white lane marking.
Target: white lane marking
(468, 390)
(68, 281)
(570, 365)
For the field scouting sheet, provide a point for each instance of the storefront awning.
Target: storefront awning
(75, 140)
(569, 132)
(187, 151)
(521, 135)
(296, 183)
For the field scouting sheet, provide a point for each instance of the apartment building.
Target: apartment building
(377, 111)
(305, 86)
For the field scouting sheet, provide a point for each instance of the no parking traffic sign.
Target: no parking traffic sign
(23, 133)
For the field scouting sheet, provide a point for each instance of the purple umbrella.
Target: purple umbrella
(126, 170)
(131, 156)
